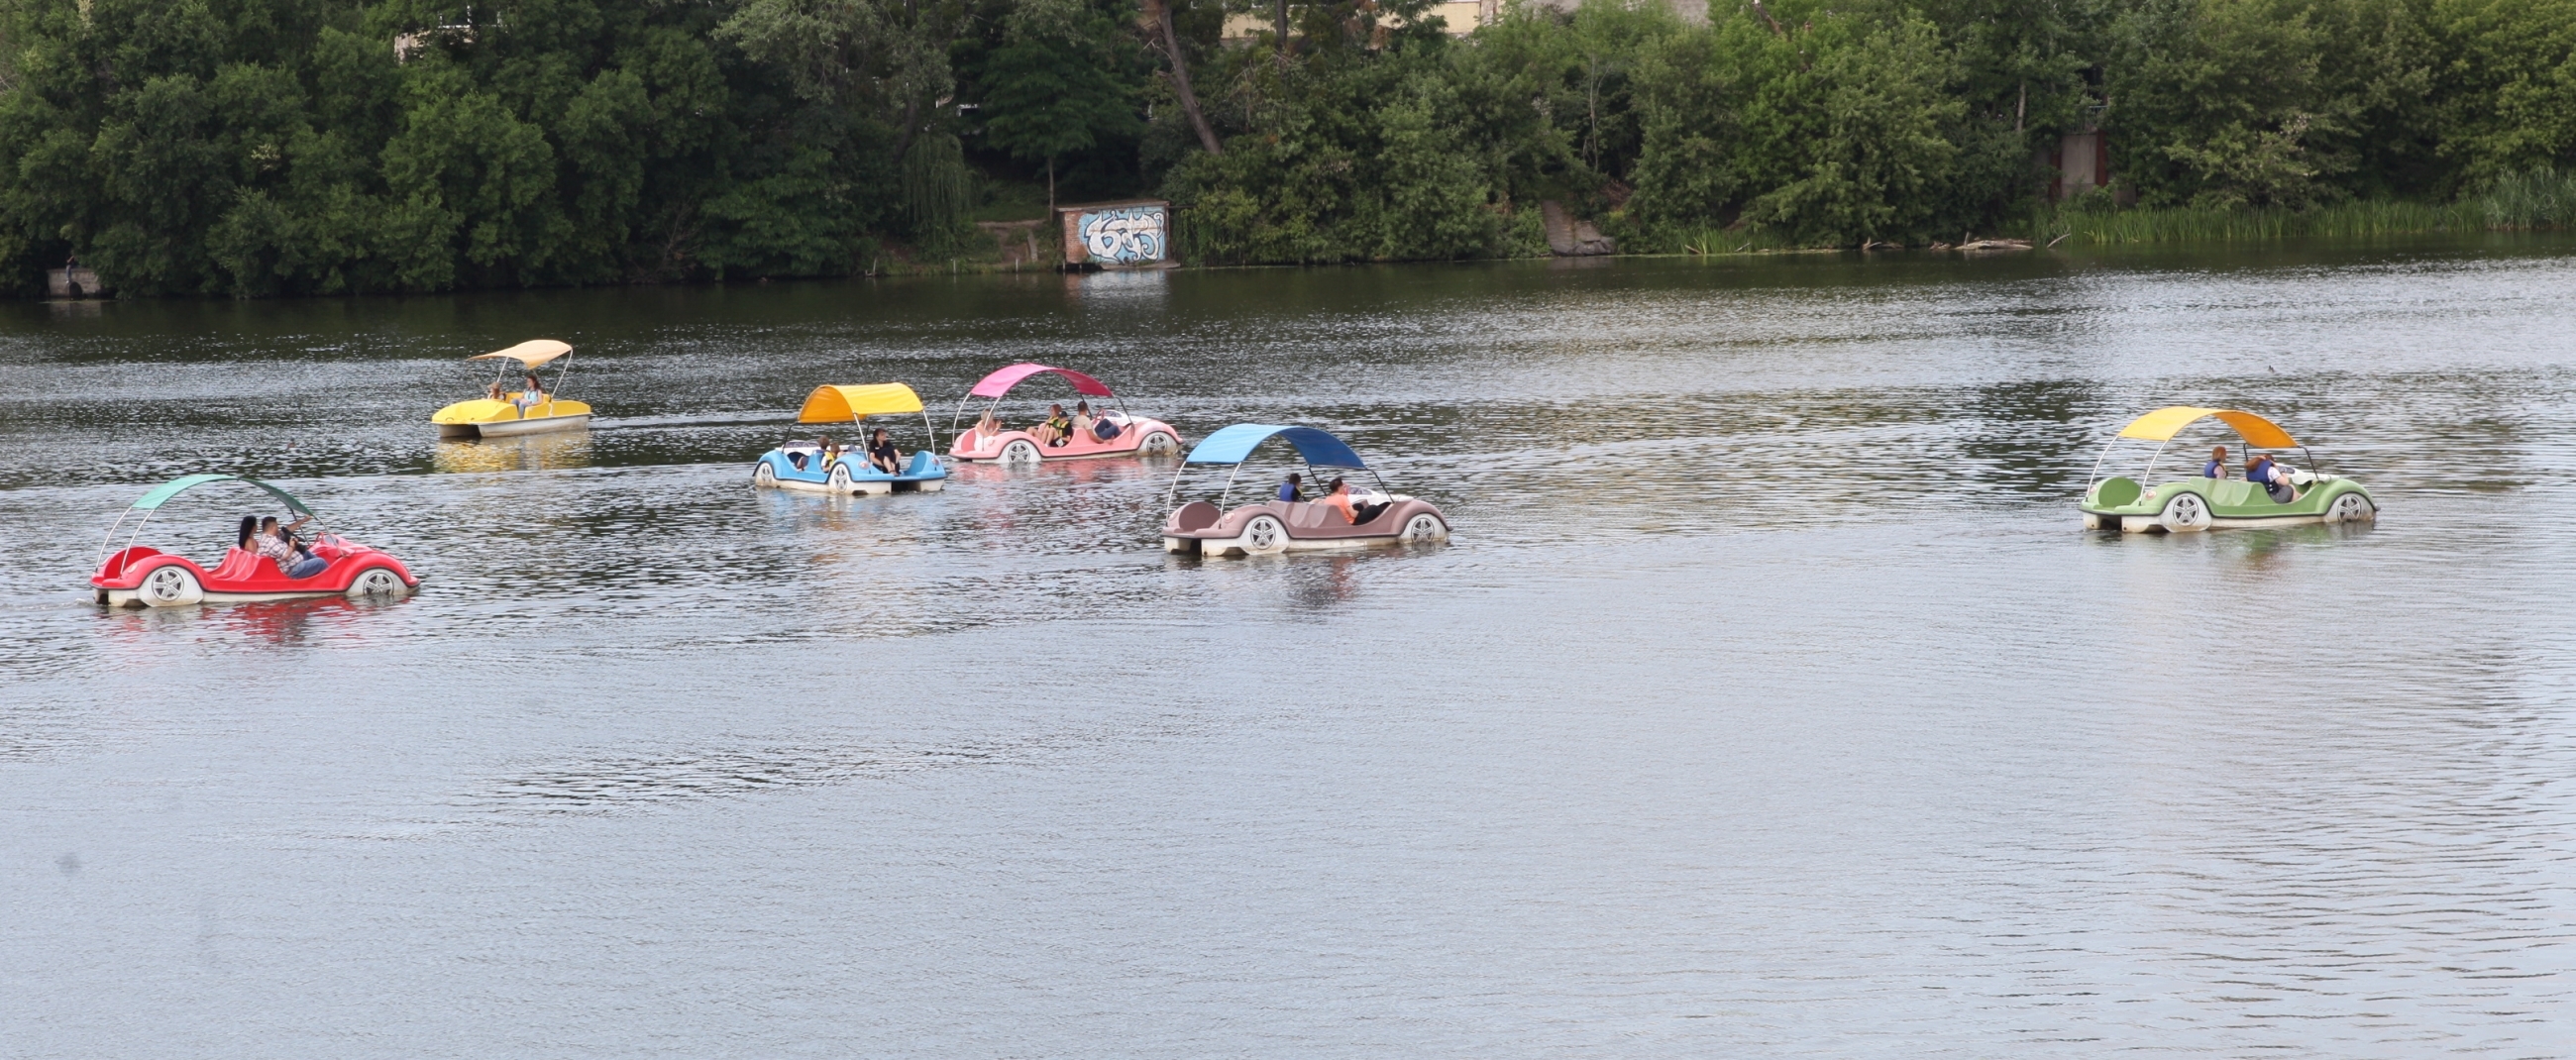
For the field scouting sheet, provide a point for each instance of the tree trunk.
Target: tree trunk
(1765, 12)
(1280, 19)
(1050, 185)
(1161, 12)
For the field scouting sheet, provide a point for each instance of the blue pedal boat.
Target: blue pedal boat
(840, 466)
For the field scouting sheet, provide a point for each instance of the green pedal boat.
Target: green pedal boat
(2219, 495)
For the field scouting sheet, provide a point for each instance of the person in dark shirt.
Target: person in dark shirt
(883, 455)
(2262, 471)
(2217, 465)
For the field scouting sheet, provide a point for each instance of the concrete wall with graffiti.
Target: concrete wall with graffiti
(1114, 234)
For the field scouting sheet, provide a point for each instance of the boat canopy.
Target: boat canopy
(162, 493)
(2162, 424)
(532, 353)
(1001, 382)
(1234, 445)
(831, 403)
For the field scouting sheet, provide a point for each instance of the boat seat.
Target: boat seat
(2232, 492)
(1196, 515)
(237, 565)
(1307, 515)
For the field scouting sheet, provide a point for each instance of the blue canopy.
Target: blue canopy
(1234, 445)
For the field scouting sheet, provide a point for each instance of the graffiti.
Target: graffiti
(1125, 235)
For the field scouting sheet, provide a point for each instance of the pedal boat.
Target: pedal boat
(486, 418)
(140, 576)
(2182, 505)
(799, 465)
(1136, 435)
(1273, 526)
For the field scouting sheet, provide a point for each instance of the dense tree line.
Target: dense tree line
(290, 146)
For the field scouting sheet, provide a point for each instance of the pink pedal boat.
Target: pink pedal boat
(1117, 433)
(1274, 526)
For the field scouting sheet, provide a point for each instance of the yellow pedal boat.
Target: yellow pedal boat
(530, 410)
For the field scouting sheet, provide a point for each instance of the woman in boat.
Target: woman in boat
(533, 396)
(987, 427)
(882, 454)
(1057, 427)
(247, 539)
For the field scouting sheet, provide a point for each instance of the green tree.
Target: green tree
(1052, 88)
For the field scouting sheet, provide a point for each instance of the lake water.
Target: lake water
(1769, 701)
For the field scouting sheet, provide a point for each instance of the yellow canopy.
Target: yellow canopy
(532, 353)
(832, 404)
(2162, 424)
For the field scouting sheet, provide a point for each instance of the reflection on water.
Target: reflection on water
(1769, 701)
(536, 452)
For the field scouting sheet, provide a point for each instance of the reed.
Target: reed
(2193, 225)
(2537, 198)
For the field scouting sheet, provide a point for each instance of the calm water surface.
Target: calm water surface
(1768, 703)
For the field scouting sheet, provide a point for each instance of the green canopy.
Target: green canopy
(163, 492)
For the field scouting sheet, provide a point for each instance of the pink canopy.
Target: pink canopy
(1001, 382)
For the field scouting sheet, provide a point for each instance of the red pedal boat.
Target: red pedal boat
(141, 576)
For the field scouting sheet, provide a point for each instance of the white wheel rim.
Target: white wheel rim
(841, 477)
(2187, 511)
(1263, 533)
(764, 474)
(166, 584)
(1422, 527)
(1019, 453)
(377, 581)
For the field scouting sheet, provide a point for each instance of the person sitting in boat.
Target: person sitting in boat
(1292, 490)
(2217, 465)
(1081, 422)
(277, 545)
(495, 393)
(2264, 472)
(1057, 427)
(828, 451)
(882, 454)
(248, 539)
(987, 428)
(1338, 497)
(533, 396)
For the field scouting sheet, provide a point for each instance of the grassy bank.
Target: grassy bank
(2539, 199)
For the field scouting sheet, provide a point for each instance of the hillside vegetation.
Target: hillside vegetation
(257, 147)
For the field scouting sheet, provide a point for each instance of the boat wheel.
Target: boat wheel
(764, 476)
(1424, 527)
(170, 587)
(1020, 451)
(2351, 508)
(1159, 443)
(1263, 536)
(2185, 513)
(376, 581)
(841, 478)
